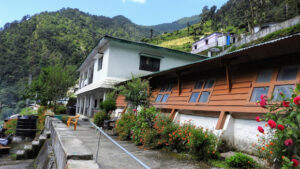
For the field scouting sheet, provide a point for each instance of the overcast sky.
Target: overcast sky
(143, 12)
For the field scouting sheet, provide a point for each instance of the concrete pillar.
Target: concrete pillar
(84, 105)
(90, 112)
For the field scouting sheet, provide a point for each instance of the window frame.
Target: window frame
(201, 90)
(164, 92)
(143, 66)
(272, 83)
(100, 67)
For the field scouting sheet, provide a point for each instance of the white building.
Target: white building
(115, 60)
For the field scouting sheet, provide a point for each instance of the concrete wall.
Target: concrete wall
(202, 46)
(269, 30)
(239, 133)
(67, 148)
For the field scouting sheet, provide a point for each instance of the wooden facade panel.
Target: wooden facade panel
(233, 91)
(180, 98)
(229, 97)
(228, 103)
(234, 86)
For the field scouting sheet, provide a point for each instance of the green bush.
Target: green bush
(109, 103)
(202, 143)
(124, 125)
(145, 121)
(72, 101)
(28, 111)
(99, 118)
(240, 160)
(11, 125)
(61, 109)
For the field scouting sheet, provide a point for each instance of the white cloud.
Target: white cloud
(137, 1)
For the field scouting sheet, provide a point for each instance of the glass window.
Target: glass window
(170, 86)
(100, 60)
(149, 64)
(204, 97)
(165, 98)
(264, 76)
(199, 84)
(209, 83)
(287, 73)
(287, 90)
(257, 92)
(194, 97)
(158, 98)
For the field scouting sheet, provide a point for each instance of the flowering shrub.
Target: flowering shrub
(124, 125)
(280, 137)
(154, 130)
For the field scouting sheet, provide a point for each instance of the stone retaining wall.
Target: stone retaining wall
(69, 151)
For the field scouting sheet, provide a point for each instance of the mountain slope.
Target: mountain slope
(66, 37)
(176, 25)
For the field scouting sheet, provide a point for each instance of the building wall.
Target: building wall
(202, 46)
(125, 60)
(239, 126)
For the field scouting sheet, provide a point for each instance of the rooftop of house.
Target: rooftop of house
(278, 47)
(107, 38)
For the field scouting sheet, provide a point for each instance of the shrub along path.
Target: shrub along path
(111, 157)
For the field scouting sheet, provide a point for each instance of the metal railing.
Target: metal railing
(118, 145)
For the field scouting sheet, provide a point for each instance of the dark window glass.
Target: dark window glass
(158, 98)
(204, 97)
(149, 64)
(209, 83)
(199, 84)
(287, 73)
(257, 92)
(264, 76)
(170, 86)
(167, 87)
(95, 103)
(194, 97)
(206, 42)
(100, 60)
(165, 98)
(287, 90)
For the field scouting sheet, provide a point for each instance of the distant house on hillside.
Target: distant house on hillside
(115, 60)
(216, 39)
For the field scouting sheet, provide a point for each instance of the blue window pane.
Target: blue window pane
(287, 90)
(264, 76)
(158, 98)
(204, 97)
(165, 98)
(194, 97)
(199, 84)
(209, 83)
(257, 92)
(287, 73)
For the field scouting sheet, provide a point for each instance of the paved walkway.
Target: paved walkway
(111, 157)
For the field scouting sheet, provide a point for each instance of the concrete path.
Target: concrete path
(111, 157)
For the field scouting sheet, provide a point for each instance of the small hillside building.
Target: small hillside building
(213, 40)
(116, 60)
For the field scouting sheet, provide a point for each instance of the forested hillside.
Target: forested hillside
(66, 36)
(236, 16)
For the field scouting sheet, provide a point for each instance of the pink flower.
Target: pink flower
(288, 142)
(260, 129)
(134, 110)
(295, 162)
(280, 127)
(281, 94)
(297, 100)
(263, 97)
(257, 119)
(286, 104)
(263, 103)
(272, 123)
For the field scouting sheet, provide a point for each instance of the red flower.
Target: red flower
(297, 100)
(295, 162)
(288, 142)
(286, 104)
(257, 119)
(263, 97)
(263, 103)
(280, 127)
(272, 123)
(134, 110)
(260, 129)
(281, 94)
